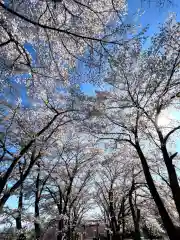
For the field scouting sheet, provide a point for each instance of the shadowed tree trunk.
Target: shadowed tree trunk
(121, 218)
(113, 220)
(36, 214)
(172, 231)
(173, 178)
(60, 229)
(19, 228)
(135, 213)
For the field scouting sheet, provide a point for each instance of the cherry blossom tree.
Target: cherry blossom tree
(46, 38)
(123, 196)
(29, 133)
(145, 84)
(68, 187)
(51, 151)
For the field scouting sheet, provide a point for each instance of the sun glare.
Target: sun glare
(164, 119)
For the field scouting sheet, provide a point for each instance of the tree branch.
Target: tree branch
(171, 132)
(53, 28)
(5, 43)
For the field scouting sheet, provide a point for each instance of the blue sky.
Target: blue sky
(153, 16)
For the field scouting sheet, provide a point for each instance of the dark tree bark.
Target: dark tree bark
(173, 179)
(36, 214)
(172, 231)
(59, 203)
(123, 218)
(20, 236)
(135, 213)
(113, 220)
(60, 229)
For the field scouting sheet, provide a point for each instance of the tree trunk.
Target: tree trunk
(36, 223)
(36, 207)
(116, 237)
(20, 236)
(108, 235)
(4, 199)
(18, 184)
(113, 222)
(60, 229)
(137, 228)
(172, 232)
(173, 179)
(135, 214)
(123, 219)
(69, 232)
